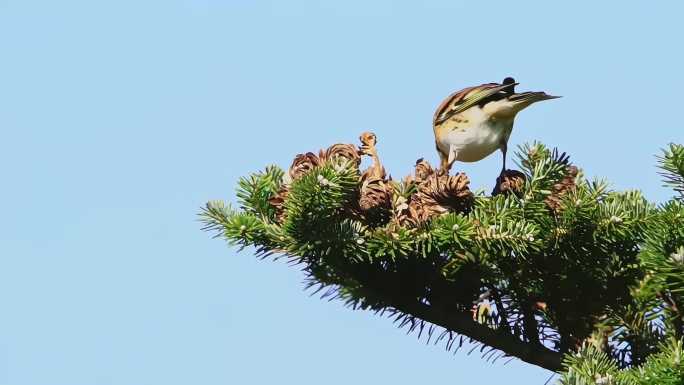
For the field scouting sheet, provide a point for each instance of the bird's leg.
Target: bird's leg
(443, 166)
(446, 165)
(504, 149)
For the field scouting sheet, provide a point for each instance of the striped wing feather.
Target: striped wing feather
(462, 100)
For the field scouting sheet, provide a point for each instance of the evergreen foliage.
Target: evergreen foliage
(554, 269)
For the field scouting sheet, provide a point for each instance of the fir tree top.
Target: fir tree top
(551, 268)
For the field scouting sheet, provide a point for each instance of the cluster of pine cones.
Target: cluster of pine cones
(417, 198)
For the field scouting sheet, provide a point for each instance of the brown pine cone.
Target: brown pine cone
(423, 170)
(375, 193)
(509, 182)
(278, 202)
(440, 194)
(561, 188)
(303, 163)
(368, 142)
(368, 139)
(347, 151)
(374, 172)
(420, 212)
(448, 190)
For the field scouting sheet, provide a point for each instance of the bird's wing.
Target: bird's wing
(462, 100)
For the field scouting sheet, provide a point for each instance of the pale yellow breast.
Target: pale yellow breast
(472, 135)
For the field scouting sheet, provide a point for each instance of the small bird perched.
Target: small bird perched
(476, 121)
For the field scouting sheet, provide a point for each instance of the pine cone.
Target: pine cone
(448, 190)
(509, 182)
(368, 139)
(368, 142)
(561, 188)
(346, 151)
(375, 201)
(440, 194)
(419, 212)
(374, 172)
(375, 193)
(303, 163)
(423, 170)
(278, 202)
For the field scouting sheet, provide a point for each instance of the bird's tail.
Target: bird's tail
(531, 97)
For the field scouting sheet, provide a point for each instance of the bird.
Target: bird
(472, 123)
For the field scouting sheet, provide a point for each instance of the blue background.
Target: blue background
(119, 119)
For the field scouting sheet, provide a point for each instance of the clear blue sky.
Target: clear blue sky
(119, 119)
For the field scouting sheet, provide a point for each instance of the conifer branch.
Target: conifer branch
(552, 269)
